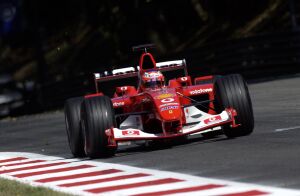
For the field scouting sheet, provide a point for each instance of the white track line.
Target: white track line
(60, 182)
(32, 170)
(14, 162)
(29, 165)
(163, 187)
(218, 191)
(66, 173)
(287, 129)
(123, 186)
(113, 183)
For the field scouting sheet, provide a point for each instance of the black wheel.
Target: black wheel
(73, 127)
(232, 91)
(97, 115)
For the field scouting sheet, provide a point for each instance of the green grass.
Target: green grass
(14, 188)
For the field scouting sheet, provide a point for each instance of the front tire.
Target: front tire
(73, 127)
(97, 115)
(232, 92)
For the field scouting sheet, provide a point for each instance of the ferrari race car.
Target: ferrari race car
(155, 109)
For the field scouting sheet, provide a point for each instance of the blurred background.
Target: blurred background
(49, 49)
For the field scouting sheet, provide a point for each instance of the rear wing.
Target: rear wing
(129, 72)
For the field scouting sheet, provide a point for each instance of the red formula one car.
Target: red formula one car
(156, 110)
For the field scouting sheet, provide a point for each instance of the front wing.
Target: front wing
(205, 125)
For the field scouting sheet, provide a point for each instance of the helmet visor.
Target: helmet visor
(153, 84)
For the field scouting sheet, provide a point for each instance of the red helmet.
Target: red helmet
(153, 79)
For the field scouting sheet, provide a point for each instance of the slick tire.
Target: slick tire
(231, 91)
(73, 127)
(97, 115)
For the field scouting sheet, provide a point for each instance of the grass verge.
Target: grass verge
(14, 188)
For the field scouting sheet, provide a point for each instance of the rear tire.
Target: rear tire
(73, 127)
(232, 92)
(97, 115)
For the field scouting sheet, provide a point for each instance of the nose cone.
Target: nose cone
(170, 113)
(168, 106)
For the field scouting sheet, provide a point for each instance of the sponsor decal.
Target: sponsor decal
(153, 74)
(213, 119)
(172, 107)
(130, 132)
(167, 100)
(163, 96)
(167, 104)
(116, 104)
(183, 79)
(124, 88)
(200, 91)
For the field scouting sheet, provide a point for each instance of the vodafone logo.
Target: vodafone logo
(124, 88)
(183, 79)
(130, 132)
(201, 91)
(213, 119)
(167, 100)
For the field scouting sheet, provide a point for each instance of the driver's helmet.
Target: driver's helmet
(153, 79)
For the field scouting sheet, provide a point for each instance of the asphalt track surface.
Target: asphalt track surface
(270, 156)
